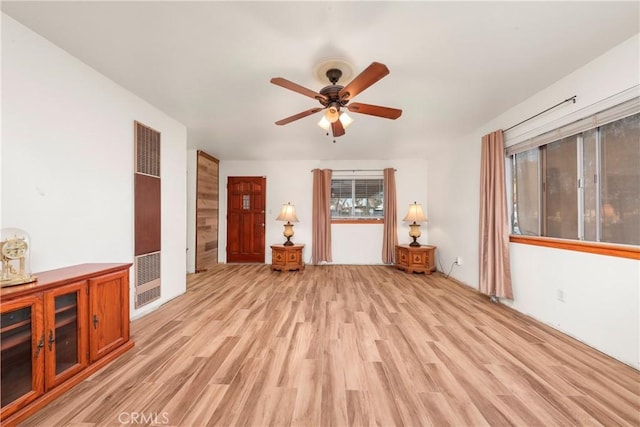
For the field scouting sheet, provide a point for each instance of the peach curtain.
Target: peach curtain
(321, 216)
(390, 233)
(495, 271)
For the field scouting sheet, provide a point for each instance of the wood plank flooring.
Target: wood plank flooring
(346, 346)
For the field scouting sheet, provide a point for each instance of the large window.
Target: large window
(357, 198)
(584, 186)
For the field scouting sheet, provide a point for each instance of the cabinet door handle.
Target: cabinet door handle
(95, 321)
(51, 339)
(39, 347)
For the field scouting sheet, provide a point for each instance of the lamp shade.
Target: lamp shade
(288, 213)
(415, 213)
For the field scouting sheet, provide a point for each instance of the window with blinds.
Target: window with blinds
(584, 184)
(357, 198)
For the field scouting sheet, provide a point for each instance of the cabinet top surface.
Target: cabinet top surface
(62, 276)
(281, 246)
(417, 248)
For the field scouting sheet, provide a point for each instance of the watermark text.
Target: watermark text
(161, 418)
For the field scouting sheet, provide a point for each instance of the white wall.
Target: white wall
(601, 305)
(67, 161)
(291, 181)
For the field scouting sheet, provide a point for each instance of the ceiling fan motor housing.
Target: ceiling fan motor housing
(332, 94)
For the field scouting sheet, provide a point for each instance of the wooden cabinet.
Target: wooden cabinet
(416, 259)
(49, 339)
(287, 258)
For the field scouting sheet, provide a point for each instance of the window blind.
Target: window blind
(609, 115)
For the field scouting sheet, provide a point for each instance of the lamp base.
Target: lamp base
(414, 233)
(288, 233)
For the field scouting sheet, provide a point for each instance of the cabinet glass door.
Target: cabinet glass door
(21, 355)
(16, 354)
(66, 332)
(66, 345)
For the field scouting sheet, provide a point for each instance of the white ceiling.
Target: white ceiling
(454, 65)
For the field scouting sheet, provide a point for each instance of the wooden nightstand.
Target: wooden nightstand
(287, 258)
(416, 259)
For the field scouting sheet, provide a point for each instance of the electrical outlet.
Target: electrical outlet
(459, 260)
(560, 295)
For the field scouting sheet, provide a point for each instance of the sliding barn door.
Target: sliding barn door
(207, 185)
(245, 218)
(147, 215)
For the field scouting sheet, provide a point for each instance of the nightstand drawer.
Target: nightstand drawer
(418, 257)
(402, 255)
(278, 256)
(293, 256)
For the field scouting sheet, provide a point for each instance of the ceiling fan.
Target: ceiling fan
(334, 97)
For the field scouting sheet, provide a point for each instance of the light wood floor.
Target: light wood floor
(346, 345)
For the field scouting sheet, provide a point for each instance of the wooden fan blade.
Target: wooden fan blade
(369, 76)
(298, 116)
(375, 110)
(279, 81)
(337, 128)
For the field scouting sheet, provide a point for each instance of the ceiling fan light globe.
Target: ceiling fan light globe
(346, 120)
(332, 114)
(324, 123)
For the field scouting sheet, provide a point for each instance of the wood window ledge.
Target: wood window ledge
(357, 221)
(620, 251)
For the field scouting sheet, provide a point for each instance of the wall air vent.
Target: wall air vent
(147, 218)
(147, 150)
(147, 270)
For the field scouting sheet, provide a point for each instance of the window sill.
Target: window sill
(620, 251)
(357, 221)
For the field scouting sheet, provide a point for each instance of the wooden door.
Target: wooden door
(66, 334)
(109, 314)
(246, 197)
(206, 212)
(22, 354)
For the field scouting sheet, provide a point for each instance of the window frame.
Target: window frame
(622, 250)
(610, 249)
(354, 219)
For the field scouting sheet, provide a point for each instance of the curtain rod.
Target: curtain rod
(573, 98)
(356, 170)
